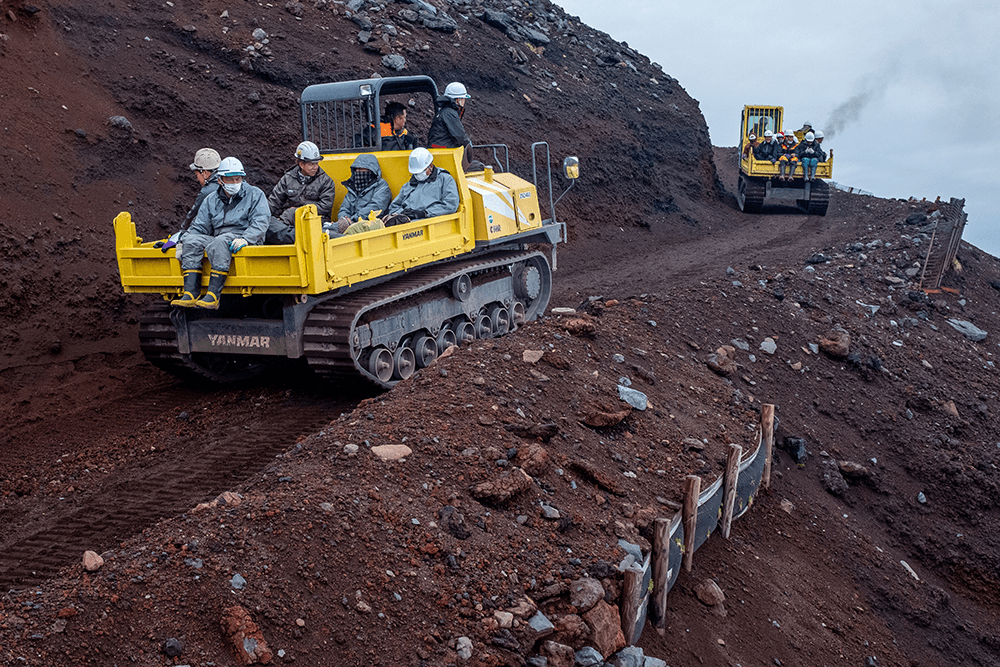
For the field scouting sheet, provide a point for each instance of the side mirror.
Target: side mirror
(571, 168)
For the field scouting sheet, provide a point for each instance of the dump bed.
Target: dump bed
(491, 209)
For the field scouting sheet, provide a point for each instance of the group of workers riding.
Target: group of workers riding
(229, 214)
(789, 149)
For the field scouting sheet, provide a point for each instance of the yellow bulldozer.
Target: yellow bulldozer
(758, 181)
(376, 305)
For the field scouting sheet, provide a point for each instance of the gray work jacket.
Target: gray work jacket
(438, 195)
(246, 214)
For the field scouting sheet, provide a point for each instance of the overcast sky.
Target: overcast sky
(909, 89)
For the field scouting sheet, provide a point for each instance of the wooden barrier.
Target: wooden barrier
(732, 476)
(767, 428)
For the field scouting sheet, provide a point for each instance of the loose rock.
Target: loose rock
(585, 593)
(92, 561)
(391, 452)
(244, 637)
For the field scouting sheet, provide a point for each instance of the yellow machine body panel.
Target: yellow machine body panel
(758, 119)
(316, 264)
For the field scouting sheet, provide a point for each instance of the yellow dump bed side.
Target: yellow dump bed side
(317, 264)
(764, 168)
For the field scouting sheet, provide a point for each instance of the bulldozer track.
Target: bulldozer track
(45, 533)
(330, 339)
(751, 195)
(819, 199)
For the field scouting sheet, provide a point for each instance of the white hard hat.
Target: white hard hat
(308, 152)
(810, 136)
(807, 124)
(456, 90)
(420, 159)
(768, 133)
(752, 136)
(206, 159)
(819, 134)
(231, 167)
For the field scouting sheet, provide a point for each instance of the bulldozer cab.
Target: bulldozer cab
(344, 117)
(758, 119)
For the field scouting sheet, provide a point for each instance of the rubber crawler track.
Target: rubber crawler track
(330, 328)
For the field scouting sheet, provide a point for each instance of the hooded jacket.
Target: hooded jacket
(446, 129)
(769, 150)
(810, 149)
(295, 189)
(375, 197)
(211, 185)
(245, 214)
(438, 195)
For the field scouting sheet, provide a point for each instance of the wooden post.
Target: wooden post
(692, 487)
(631, 599)
(729, 497)
(661, 571)
(767, 427)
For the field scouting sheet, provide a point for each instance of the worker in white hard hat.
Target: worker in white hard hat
(206, 161)
(431, 191)
(447, 130)
(768, 150)
(819, 136)
(810, 155)
(305, 183)
(750, 145)
(233, 216)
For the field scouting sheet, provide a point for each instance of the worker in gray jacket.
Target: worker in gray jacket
(206, 161)
(232, 217)
(303, 184)
(431, 191)
(367, 191)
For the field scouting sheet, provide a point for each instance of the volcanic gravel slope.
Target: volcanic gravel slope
(351, 560)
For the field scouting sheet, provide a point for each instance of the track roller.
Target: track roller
(380, 364)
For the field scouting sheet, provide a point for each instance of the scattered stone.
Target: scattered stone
(463, 646)
(950, 408)
(968, 329)
(606, 628)
(817, 258)
(709, 593)
(563, 311)
(906, 566)
(544, 431)
(601, 414)
(549, 512)
(836, 343)
(80, 132)
(244, 637)
(581, 328)
(503, 489)
(630, 656)
(853, 470)
(363, 607)
(588, 656)
(559, 655)
(654, 662)
(92, 561)
(633, 397)
(391, 452)
(120, 121)
(585, 593)
(453, 521)
(832, 480)
(394, 62)
(541, 625)
(238, 582)
(525, 608)
(534, 459)
(506, 640)
(796, 447)
(597, 476)
(408, 15)
(787, 506)
(921, 498)
(505, 619)
(768, 346)
(722, 362)
(532, 356)
(173, 647)
(693, 443)
(259, 35)
(351, 450)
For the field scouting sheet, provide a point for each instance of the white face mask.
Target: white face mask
(232, 188)
(421, 176)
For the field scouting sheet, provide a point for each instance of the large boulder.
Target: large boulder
(605, 627)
